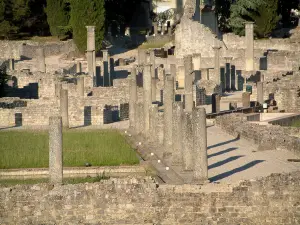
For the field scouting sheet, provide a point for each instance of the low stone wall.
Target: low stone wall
(266, 137)
(268, 201)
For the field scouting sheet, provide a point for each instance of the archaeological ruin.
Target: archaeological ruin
(211, 114)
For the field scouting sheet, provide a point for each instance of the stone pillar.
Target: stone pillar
(132, 98)
(249, 42)
(188, 83)
(55, 150)
(91, 53)
(246, 99)
(177, 133)
(105, 68)
(153, 123)
(80, 86)
(153, 91)
(260, 93)
(139, 122)
(11, 64)
(216, 103)
(155, 29)
(197, 66)
(78, 67)
(217, 68)
(64, 107)
(168, 114)
(142, 56)
(200, 146)
(152, 61)
(105, 55)
(205, 74)
(58, 87)
(41, 65)
(228, 73)
(173, 74)
(147, 96)
(187, 141)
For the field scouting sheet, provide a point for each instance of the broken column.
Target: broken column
(246, 99)
(200, 165)
(216, 98)
(64, 107)
(153, 91)
(168, 114)
(187, 142)
(91, 53)
(78, 67)
(80, 86)
(197, 66)
(249, 42)
(55, 150)
(217, 68)
(177, 133)
(147, 96)
(188, 83)
(41, 65)
(11, 64)
(260, 93)
(132, 98)
(105, 68)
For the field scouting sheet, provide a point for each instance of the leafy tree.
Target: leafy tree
(57, 16)
(87, 13)
(223, 12)
(284, 9)
(3, 81)
(267, 19)
(262, 12)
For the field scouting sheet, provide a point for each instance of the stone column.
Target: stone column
(153, 121)
(200, 146)
(58, 87)
(147, 96)
(11, 64)
(217, 77)
(64, 107)
(188, 83)
(132, 98)
(187, 141)
(142, 56)
(41, 65)
(249, 42)
(197, 66)
(216, 103)
(177, 133)
(105, 68)
(246, 99)
(55, 150)
(80, 86)
(78, 67)
(228, 73)
(152, 61)
(105, 55)
(153, 91)
(139, 122)
(91, 53)
(260, 93)
(173, 74)
(168, 114)
(155, 29)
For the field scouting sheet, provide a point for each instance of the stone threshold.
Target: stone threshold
(111, 171)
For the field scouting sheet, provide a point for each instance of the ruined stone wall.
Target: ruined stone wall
(268, 201)
(27, 49)
(266, 137)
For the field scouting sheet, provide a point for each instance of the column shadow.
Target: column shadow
(236, 170)
(220, 163)
(221, 152)
(223, 143)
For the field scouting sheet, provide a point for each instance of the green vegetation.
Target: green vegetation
(87, 13)
(296, 123)
(29, 149)
(73, 180)
(3, 80)
(57, 16)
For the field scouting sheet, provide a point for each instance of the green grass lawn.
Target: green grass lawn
(30, 149)
(296, 123)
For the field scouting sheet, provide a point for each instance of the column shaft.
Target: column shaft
(80, 86)
(177, 133)
(188, 83)
(187, 141)
(147, 96)
(249, 46)
(260, 93)
(64, 107)
(41, 65)
(132, 98)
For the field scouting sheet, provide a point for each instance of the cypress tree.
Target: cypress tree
(87, 13)
(57, 16)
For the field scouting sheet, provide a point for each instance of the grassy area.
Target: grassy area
(29, 149)
(75, 180)
(296, 123)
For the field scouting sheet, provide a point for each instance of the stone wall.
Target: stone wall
(266, 137)
(272, 200)
(27, 49)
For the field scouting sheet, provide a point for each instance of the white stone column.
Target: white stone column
(41, 65)
(91, 53)
(147, 97)
(217, 77)
(249, 44)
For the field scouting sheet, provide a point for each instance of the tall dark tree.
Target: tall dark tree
(223, 12)
(284, 9)
(57, 16)
(87, 13)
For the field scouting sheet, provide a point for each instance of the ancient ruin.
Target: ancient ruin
(212, 119)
